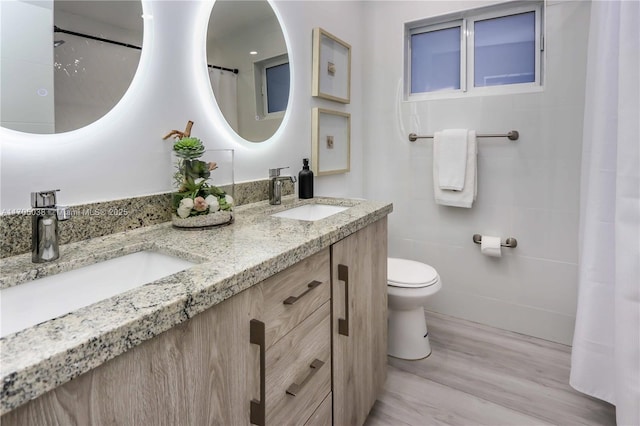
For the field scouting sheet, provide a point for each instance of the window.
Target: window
(277, 83)
(494, 50)
(272, 86)
(435, 59)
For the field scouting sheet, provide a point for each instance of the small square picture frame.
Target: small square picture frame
(331, 67)
(331, 142)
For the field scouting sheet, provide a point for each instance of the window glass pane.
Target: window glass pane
(435, 60)
(277, 87)
(504, 51)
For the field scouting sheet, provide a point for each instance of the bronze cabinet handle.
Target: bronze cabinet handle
(293, 299)
(343, 324)
(295, 388)
(257, 414)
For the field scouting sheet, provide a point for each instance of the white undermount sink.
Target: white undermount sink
(310, 212)
(31, 303)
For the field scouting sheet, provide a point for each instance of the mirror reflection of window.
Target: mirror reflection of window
(277, 82)
(246, 36)
(272, 83)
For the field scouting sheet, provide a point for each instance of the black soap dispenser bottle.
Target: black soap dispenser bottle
(305, 181)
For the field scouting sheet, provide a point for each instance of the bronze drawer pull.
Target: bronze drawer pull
(343, 324)
(293, 299)
(257, 414)
(295, 388)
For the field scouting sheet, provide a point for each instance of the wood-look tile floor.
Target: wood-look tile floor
(478, 375)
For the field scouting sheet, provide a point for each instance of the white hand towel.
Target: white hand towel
(451, 146)
(467, 196)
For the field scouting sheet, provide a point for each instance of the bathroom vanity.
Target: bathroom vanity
(281, 321)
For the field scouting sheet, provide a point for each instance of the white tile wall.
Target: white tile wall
(524, 319)
(527, 189)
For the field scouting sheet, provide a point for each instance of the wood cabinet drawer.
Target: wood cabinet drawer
(322, 416)
(293, 294)
(290, 363)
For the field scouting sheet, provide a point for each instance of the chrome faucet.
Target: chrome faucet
(275, 185)
(44, 225)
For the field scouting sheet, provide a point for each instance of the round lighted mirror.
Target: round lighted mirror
(248, 67)
(65, 64)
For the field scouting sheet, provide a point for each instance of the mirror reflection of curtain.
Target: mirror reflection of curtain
(90, 79)
(225, 89)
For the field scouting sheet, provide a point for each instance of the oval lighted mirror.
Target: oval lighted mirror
(248, 67)
(65, 64)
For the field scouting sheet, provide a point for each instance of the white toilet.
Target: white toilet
(409, 284)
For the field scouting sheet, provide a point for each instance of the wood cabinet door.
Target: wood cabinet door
(202, 372)
(359, 322)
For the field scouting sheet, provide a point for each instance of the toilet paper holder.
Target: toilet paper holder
(509, 242)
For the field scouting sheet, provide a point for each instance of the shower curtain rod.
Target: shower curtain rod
(233, 70)
(57, 29)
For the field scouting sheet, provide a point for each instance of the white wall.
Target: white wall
(527, 189)
(122, 154)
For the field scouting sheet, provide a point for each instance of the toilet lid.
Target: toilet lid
(409, 273)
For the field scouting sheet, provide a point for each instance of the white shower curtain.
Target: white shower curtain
(605, 360)
(225, 89)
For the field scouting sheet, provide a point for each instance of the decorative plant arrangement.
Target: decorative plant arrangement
(196, 202)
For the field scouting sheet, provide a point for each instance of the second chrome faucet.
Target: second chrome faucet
(275, 185)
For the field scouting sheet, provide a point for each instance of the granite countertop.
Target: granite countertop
(228, 260)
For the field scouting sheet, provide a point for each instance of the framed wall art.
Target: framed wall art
(331, 142)
(331, 67)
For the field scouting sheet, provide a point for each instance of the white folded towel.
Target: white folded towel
(451, 148)
(467, 195)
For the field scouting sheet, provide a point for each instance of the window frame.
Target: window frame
(467, 51)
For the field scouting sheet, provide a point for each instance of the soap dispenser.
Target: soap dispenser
(305, 181)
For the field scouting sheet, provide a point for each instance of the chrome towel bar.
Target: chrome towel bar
(510, 242)
(512, 135)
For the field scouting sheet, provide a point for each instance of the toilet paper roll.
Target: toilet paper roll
(490, 246)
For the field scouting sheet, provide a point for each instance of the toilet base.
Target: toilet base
(408, 335)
